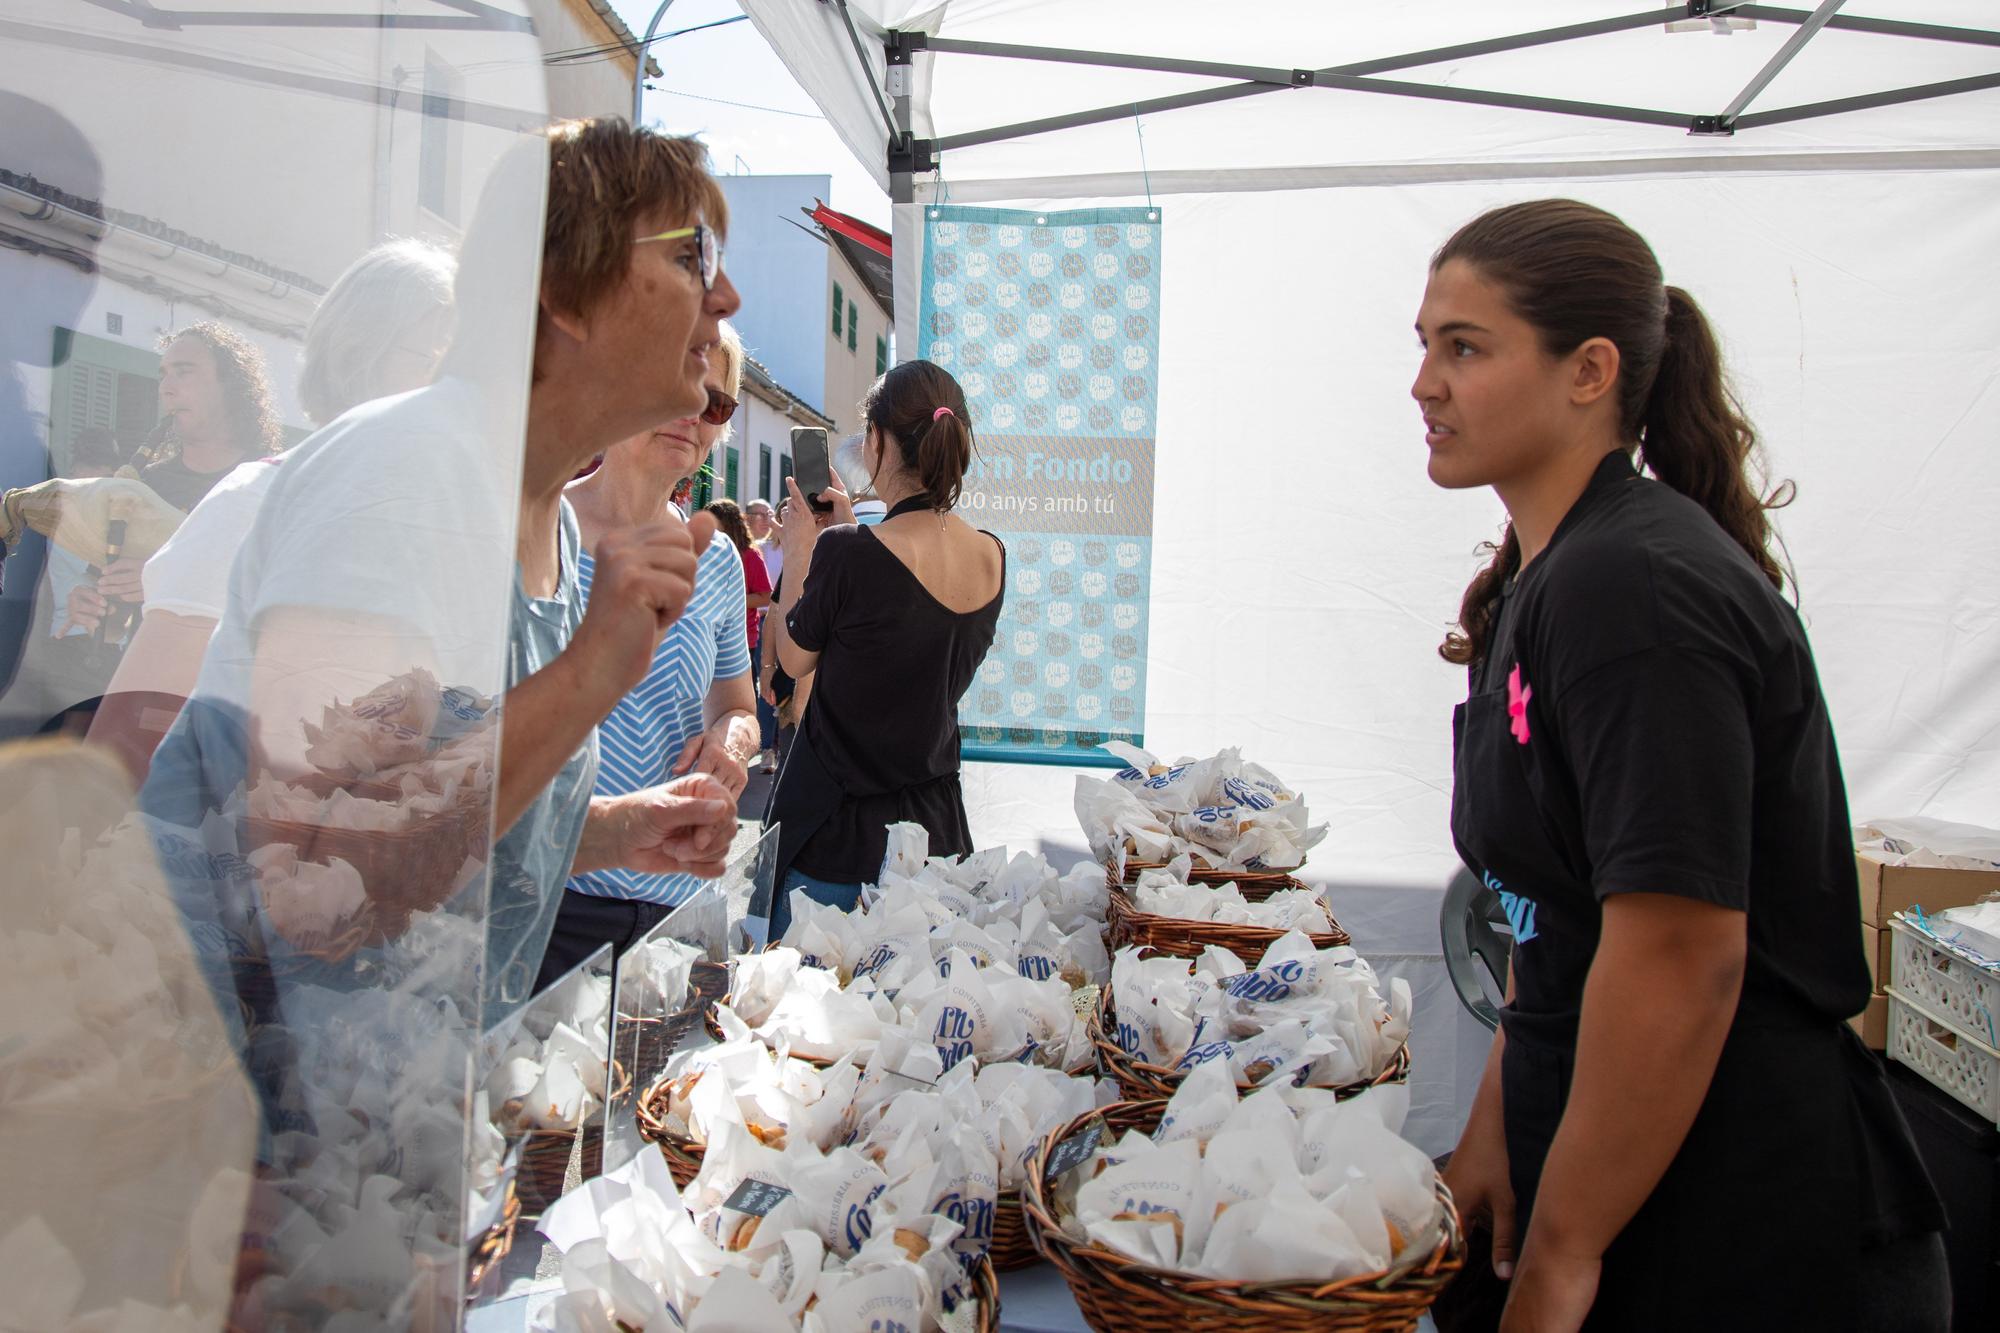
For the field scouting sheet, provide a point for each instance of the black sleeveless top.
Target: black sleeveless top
(879, 743)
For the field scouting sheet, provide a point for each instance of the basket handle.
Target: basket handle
(1937, 1035)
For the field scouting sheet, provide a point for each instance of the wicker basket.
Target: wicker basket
(1118, 1294)
(1186, 939)
(545, 1156)
(1255, 885)
(1138, 1080)
(683, 1154)
(405, 870)
(1013, 1244)
(986, 1292)
(491, 1247)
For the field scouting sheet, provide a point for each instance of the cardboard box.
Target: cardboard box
(1887, 890)
(1877, 946)
(1872, 1023)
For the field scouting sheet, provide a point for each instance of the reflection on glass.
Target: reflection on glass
(545, 1076)
(667, 978)
(261, 552)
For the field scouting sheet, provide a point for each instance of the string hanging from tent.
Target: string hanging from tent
(1152, 214)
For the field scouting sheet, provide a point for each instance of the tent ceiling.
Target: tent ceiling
(1335, 134)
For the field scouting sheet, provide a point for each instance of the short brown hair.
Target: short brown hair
(606, 180)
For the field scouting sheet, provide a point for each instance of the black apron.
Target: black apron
(1789, 1171)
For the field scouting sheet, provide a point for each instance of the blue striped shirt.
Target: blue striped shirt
(647, 731)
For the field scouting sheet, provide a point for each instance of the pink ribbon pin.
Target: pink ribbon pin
(1517, 704)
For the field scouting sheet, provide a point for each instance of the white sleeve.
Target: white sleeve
(189, 576)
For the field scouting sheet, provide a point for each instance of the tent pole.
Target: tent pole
(1289, 77)
(1772, 68)
(1935, 32)
(902, 167)
(867, 75)
(1867, 101)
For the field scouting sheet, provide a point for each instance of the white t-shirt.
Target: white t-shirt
(189, 576)
(774, 558)
(403, 508)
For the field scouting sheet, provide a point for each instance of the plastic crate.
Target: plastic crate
(1943, 1008)
(1947, 983)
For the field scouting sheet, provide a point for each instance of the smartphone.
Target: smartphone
(812, 466)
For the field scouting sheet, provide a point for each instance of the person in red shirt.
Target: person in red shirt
(756, 579)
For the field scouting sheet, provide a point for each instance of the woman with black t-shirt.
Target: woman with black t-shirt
(891, 621)
(1676, 1129)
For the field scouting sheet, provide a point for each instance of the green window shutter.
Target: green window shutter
(98, 382)
(764, 470)
(853, 323)
(881, 355)
(735, 472)
(836, 310)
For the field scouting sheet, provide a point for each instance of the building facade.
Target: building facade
(817, 322)
(153, 176)
(754, 461)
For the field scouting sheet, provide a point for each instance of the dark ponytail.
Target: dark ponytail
(918, 409)
(1576, 272)
(1696, 439)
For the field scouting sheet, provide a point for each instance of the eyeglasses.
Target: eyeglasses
(720, 408)
(704, 239)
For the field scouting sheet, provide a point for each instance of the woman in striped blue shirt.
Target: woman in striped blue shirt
(696, 709)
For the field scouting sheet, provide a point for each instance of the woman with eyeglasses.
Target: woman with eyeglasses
(695, 712)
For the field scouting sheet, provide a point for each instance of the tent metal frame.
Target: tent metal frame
(910, 156)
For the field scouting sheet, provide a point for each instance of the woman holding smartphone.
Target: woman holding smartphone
(1676, 1128)
(890, 622)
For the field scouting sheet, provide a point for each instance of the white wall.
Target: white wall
(1297, 615)
(759, 423)
(780, 268)
(850, 373)
(43, 295)
(581, 88)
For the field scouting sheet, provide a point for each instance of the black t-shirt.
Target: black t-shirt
(883, 719)
(180, 485)
(1648, 719)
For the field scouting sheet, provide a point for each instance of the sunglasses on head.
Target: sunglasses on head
(720, 408)
(705, 242)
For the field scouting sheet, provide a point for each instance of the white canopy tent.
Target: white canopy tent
(1842, 237)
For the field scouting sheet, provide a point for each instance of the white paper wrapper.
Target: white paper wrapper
(909, 846)
(1227, 813)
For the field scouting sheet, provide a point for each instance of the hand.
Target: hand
(767, 690)
(84, 609)
(120, 579)
(680, 827)
(643, 578)
(707, 754)
(1553, 1293)
(1478, 1179)
(843, 507)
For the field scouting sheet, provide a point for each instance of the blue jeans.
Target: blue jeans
(844, 896)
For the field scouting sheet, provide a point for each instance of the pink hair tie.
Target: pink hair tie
(942, 412)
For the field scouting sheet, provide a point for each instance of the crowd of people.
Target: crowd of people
(450, 554)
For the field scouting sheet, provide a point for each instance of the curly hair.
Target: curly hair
(246, 388)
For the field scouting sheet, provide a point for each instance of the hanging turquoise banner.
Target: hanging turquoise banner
(1050, 322)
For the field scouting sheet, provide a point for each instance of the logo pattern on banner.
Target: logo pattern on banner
(1050, 322)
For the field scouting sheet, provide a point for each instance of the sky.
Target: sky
(726, 85)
